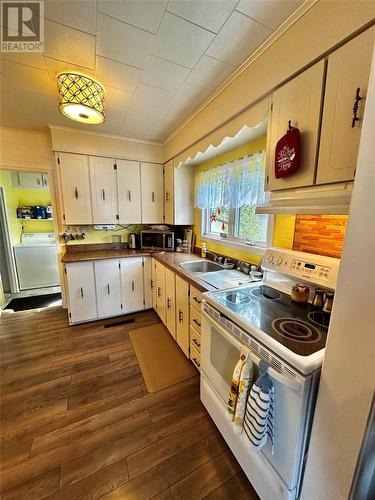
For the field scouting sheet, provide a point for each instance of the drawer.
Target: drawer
(195, 319)
(195, 357)
(195, 297)
(195, 339)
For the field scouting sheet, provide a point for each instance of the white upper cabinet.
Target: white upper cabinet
(152, 193)
(132, 284)
(103, 190)
(108, 287)
(129, 191)
(179, 194)
(300, 102)
(81, 291)
(29, 180)
(348, 70)
(75, 188)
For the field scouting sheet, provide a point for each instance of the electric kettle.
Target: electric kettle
(132, 240)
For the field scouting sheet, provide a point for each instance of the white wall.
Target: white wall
(348, 376)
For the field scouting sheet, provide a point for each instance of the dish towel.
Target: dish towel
(234, 387)
(259, 416)
(246, 378)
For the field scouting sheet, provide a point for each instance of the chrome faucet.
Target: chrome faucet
(217, 258)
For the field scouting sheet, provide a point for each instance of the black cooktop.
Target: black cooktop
(299, 327)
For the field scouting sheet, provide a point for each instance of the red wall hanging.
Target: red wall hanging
(288, 153)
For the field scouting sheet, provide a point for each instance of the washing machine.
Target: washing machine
(36, 261)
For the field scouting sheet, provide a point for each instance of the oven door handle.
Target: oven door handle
(295, 385)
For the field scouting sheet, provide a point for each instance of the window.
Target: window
(228, 195)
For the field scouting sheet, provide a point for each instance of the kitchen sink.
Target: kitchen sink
(201, 266)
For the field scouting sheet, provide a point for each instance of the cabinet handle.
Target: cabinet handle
(169, 303)
(153, 197)
(197, 300)
(103, 195)
(180, 316)
(196, 342)
(129, 195)
(108, 289)
(167, 196)
(81, 289)
(159, 291)
(197, 322)
(152, 283)
(357, 98)
(132, 286)
(196, 362)
(76, 193)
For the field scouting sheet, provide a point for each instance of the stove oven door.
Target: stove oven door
(220, 351)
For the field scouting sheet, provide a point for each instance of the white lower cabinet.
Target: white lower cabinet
(182, 315)
(81, 291)
(132, 284)
(108, 287)
(160, 291)
(170, 296)
(147, 281)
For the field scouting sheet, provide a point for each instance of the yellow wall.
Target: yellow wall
(283, 224)
(14, 198)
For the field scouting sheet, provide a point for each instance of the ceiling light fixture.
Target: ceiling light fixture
(81, 98)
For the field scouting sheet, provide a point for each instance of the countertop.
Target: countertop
(170, 259)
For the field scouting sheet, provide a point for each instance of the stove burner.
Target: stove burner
(265, 292)
(319, 318)
(237, 298)
(296, 329)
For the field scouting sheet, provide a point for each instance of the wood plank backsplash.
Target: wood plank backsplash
(320, 234)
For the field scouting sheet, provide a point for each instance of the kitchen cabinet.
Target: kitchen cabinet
(75, 188)
(160, 291)
(103, 190)
(170, 296)
(108, 287)
(129, 191)
(81, 291)
(152, 193)
(29, 180)
(348, 70)
(131, 271)
(147, 282)
(178, 194)
(299, 101)
(182, 315)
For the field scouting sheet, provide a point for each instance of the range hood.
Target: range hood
(327, 199)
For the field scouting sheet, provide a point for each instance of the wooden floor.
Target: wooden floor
(77, 421)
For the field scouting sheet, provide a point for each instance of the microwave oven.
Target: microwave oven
(158, 240)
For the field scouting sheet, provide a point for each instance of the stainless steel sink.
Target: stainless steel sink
(201, 266)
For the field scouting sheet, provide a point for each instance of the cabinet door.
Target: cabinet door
(184, 195)
(182, 315)
(75, 188)
(170, 294)
(81, 291)
(348, 70)
(169, 192)
(45, 181)
(152, 193)
(300, 102)
(160, 291)
(108, 287)
(132, 284)
(129, 192)
(147, 282)
(153, 283)
(28, 180)
(103, 190)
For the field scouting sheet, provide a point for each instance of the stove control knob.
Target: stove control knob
(269, 259)
(278, 261)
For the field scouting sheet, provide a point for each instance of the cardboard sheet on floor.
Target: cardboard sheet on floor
(161, 360)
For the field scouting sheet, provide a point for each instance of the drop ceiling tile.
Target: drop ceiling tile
(164, 74)
(37, 98)
(156, 135)
(18, 75)
(149, 102)
(78, 14)
(135, 128)
(210, 73)
(181, 42)
(145, 14)
(33, 59)
(113, 114)
(122, 42)
(210, 14)
(117, 98)
(187, 98)
(238, 39)
(68, 44)
(272, 13)
(117, 75)
(12, 113)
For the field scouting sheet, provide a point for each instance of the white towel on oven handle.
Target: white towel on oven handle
(259, 416)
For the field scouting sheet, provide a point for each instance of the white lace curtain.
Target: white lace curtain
(233, 184)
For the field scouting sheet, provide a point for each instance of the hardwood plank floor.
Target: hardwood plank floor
(77, 421)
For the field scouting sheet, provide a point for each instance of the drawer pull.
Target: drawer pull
(81, 290)
(103, 195)
(197, 322)
(197, 300)
(196, 362)
(76, 193)
(153, 197)
(159, 291)
(180, 316)
(357, 98)
(169, 303)
(129, 195)
(108, 289)
(196, 342)
(133, 287)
